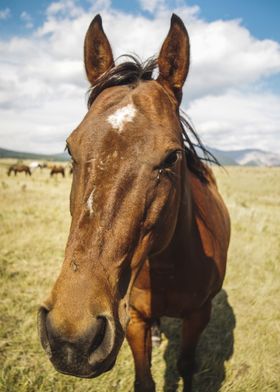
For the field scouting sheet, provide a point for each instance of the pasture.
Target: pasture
(239, 350)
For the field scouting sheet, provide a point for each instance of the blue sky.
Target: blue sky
(259, 16)
(233, 89)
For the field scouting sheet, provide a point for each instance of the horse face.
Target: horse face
(128, 158)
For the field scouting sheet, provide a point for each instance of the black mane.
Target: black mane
(131, 72)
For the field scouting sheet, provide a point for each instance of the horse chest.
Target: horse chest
(173, 294)
(166, 290)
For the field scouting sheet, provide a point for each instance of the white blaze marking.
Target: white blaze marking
(90, 202)
(122, 116)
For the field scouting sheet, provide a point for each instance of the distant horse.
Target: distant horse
(36, 165)
(18, 168)
(33, 166)
(57, 170)
(149, 233)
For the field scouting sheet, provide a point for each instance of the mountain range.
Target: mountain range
(246, 157)
(63, 156)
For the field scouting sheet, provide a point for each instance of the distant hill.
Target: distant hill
(246, 157)
(223, 157)
(253, 157)
(64, 156)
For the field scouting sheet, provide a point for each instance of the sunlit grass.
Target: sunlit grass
(239, 350)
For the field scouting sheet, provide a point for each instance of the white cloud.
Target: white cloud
(5, 13)
(225, 55)
(67, 8)
(42, 80)
(237, 120)
(27, 19)
(151, 5)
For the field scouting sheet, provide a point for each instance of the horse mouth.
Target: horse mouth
(87, 373)
(83, 368)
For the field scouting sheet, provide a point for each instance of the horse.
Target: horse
(19, 168)
(149, 232)
(57, 170)
(33, 166)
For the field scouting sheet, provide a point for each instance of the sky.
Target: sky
(232, 94)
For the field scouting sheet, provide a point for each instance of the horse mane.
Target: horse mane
(131, 72)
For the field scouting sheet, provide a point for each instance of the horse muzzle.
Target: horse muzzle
(86, 356)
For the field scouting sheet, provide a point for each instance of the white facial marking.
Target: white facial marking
(122, 116)
(90, 202)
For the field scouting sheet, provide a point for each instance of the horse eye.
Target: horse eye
(67, 148)
(171, 159)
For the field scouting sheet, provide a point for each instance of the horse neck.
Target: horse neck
(179, 247)
(185, 221)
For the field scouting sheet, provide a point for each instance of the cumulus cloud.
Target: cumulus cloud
(226, 55)
(237, 120)
(27, 19)
(151, 5)
(43, 85)
(66, 8)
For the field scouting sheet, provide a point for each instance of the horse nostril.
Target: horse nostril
(100, 328)
(42, 329)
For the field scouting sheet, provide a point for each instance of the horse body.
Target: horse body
(19, 169)
(149, 232)
(57, 170)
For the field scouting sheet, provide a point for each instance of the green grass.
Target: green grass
(239, 350)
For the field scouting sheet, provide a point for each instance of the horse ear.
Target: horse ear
(98, 56)
(174, 57)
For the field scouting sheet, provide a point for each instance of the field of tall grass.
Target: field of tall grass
(238, 352)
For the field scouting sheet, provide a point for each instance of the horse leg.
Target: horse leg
(191, 331)
(156, 333)
(139, 338)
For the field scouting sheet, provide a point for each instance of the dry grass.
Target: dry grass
(238, 352)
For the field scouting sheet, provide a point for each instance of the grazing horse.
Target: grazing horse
(57, 170)
(149, 232)
(18, 168)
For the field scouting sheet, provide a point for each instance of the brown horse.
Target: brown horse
(149, 232)
(18, 168)
(57, 170)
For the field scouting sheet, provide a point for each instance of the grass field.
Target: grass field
(240, 349)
